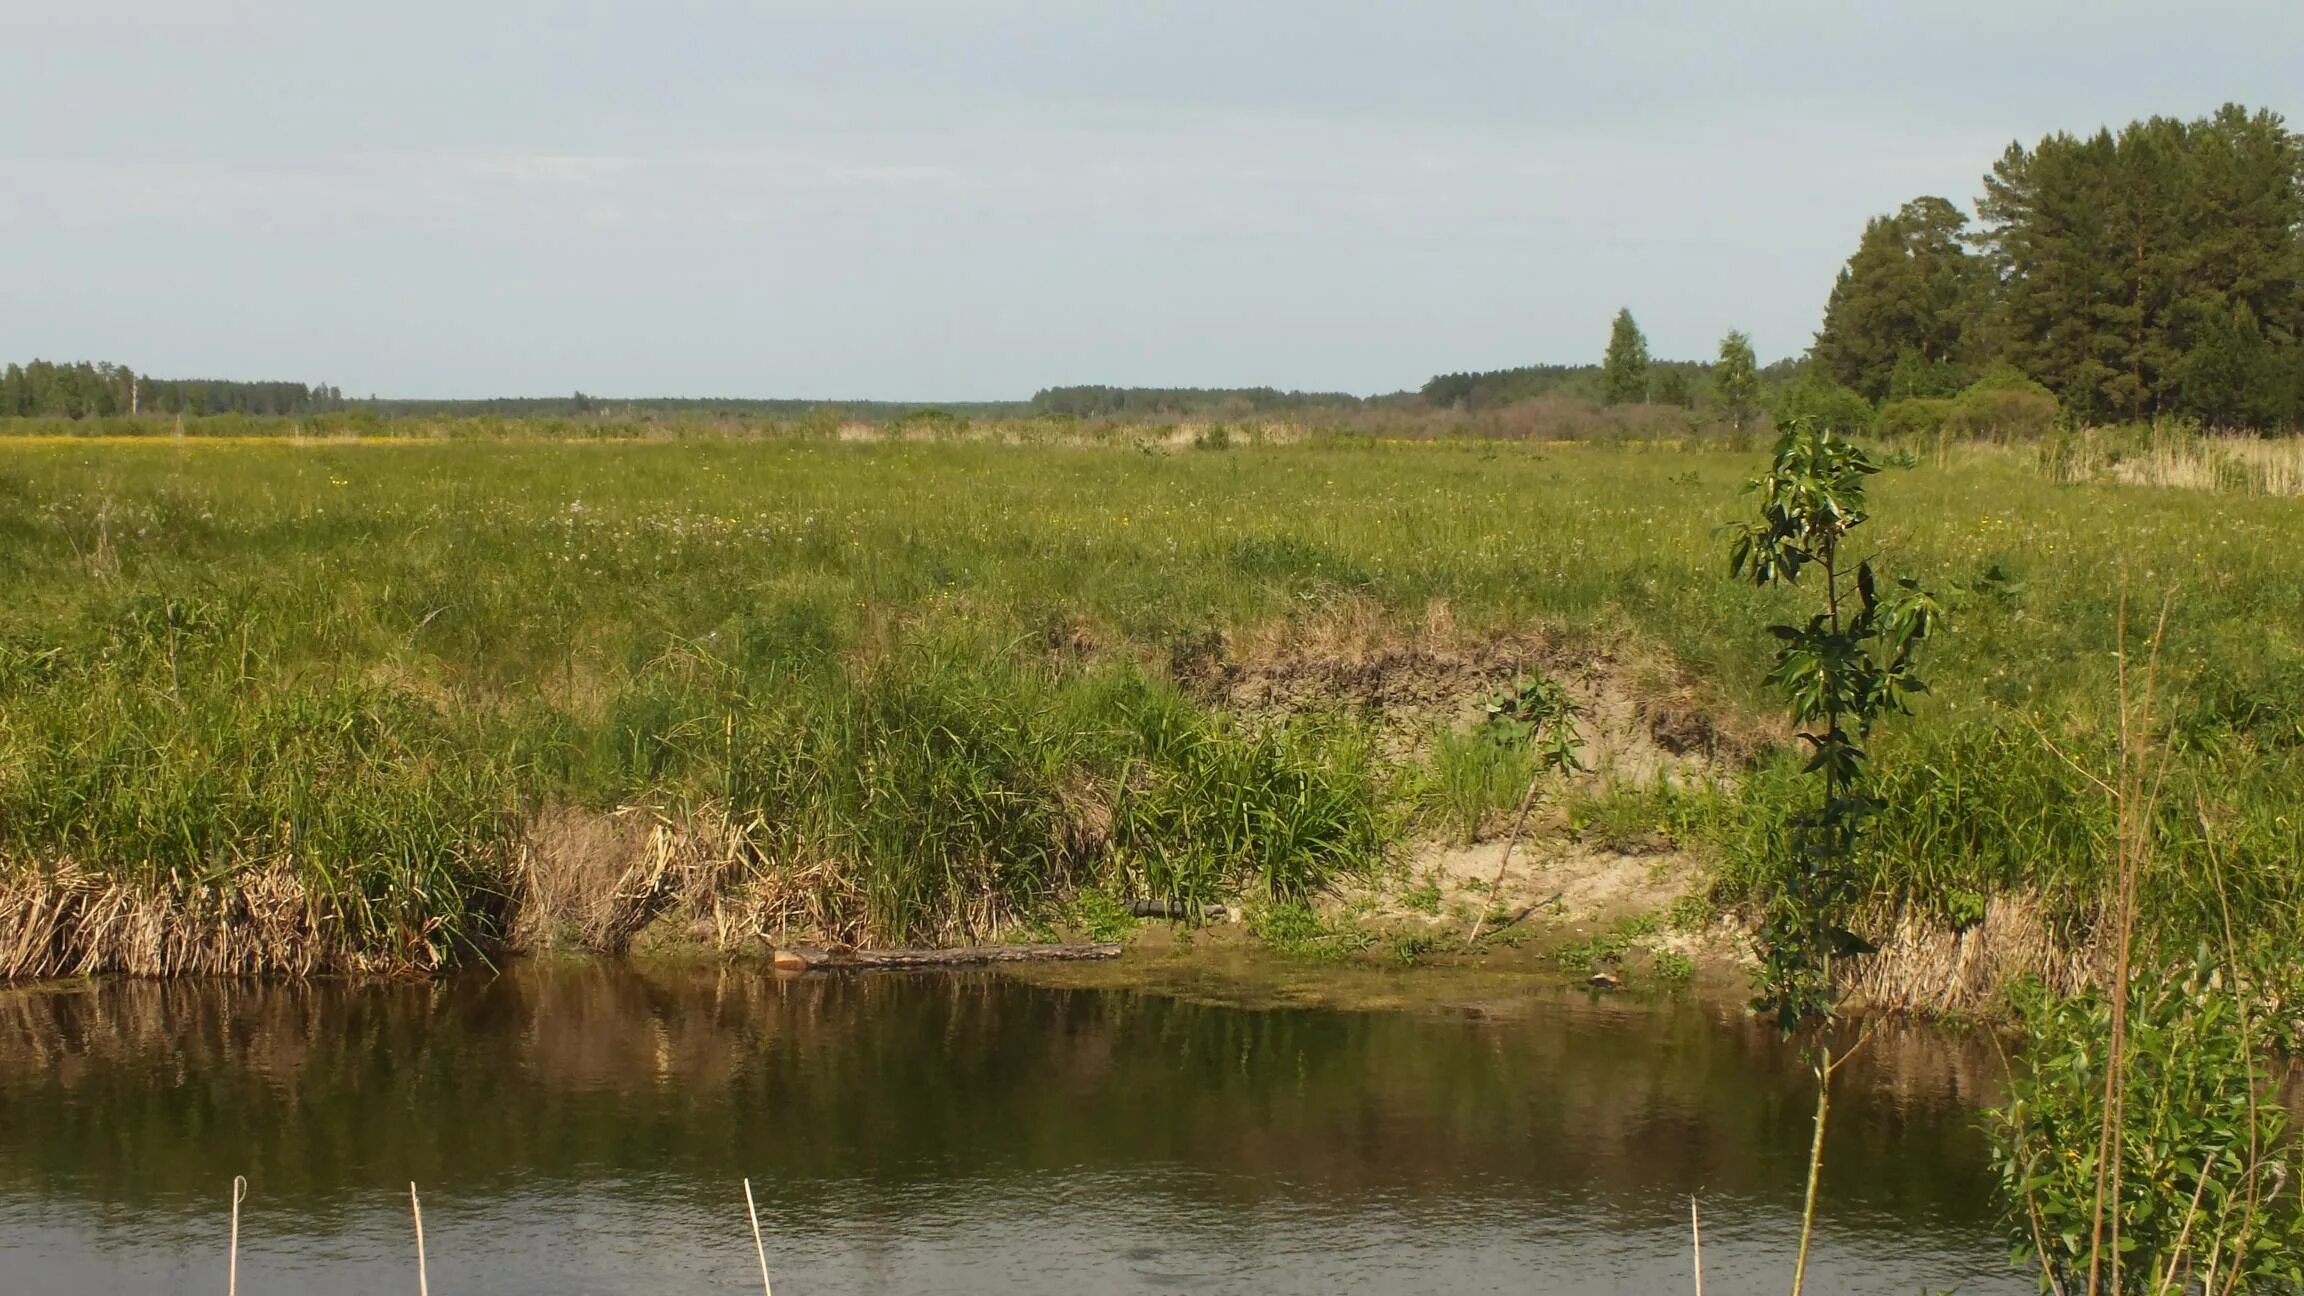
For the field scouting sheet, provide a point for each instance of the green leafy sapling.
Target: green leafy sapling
(1843, 670)
(1850, 664)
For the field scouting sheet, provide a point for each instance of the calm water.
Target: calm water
(585, 1129)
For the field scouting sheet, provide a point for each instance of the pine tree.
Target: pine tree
(1911, 286)
(2242, 206)
(2122, 258)
(1736, 378)
(2045, 233)
(2229, 377)
(1923, 377)
(2145, 244)
(1624, 373)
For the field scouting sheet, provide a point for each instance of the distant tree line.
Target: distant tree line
(1627, 375)
(43, 389)
(579, 405)
(2153, 271)
(1492, 388)
(1101, 402)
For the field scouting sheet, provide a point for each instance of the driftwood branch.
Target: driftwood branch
(809, 958)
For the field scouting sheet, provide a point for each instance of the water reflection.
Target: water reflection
(584, 1127)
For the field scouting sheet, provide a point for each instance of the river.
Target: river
(586, 1127)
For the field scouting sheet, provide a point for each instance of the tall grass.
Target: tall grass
(1475, 776)
(953, 678)
(2178, 455)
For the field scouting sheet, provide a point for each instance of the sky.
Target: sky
(954, 200)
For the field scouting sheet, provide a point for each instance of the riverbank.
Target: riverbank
(331, 707)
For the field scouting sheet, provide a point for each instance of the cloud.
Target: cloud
(560, 169)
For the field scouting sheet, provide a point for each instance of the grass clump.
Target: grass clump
(1293, 928)
(1102, 915)
(1474, 776)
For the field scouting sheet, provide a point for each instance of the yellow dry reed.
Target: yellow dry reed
(1927, 965)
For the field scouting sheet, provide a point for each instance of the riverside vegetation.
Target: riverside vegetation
(370, 705)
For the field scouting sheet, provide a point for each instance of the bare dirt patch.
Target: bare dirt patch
(1642, 714)
(1564, 882)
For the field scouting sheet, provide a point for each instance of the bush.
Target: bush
(2007, 377)
(2205, 1199)
(1830, 406)
(1917, 419)
(2002, 414)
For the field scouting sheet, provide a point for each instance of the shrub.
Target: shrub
(2007, 377)
(2204, 1197)
(1827, 405)
(2001, 414)
(1916, 419)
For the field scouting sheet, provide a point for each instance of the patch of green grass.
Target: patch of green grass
(375, 662)
(1472, 775)
(1102, 916)
(1410, 947)
(1620, 815)
(1689, 913)
(1595, 954)
(1291, 928)
(1608, 950)
(1424, 897)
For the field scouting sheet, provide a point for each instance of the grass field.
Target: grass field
(329, 703)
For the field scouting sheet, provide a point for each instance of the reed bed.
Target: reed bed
(2181, 457)
(2247, 464)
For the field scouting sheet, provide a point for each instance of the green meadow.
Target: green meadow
(952, 689)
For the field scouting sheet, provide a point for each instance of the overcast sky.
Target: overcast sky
(940, 199)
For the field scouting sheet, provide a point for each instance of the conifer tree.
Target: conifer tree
(1624, 372)
(2230, 377)
(1736, 377)
(2121, 260)
(1910, 287)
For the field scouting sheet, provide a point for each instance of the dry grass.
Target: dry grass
(592, 880)
(70, 921)
(1928, 966)
(2246, 464)
(596, 881)
(2178, 457)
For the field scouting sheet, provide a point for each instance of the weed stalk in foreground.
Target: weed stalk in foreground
(2133, 1143)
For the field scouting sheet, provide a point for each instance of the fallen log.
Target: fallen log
(810, 958)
